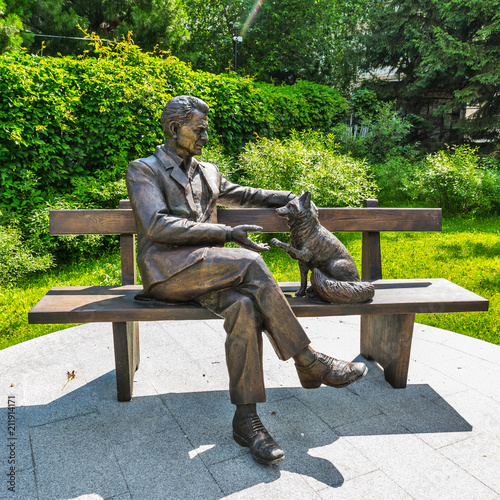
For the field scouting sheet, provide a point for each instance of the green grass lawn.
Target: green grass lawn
(467, 252)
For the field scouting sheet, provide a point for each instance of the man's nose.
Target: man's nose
(204, 137)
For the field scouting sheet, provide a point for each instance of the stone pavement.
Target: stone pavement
(438, 438)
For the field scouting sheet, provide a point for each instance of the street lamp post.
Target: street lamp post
(236, 39)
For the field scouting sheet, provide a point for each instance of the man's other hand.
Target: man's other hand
(240, 237)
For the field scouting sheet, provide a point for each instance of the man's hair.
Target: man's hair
(180, 110)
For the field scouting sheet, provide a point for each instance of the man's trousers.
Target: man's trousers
(236, 284)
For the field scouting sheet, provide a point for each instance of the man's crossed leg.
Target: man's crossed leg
(236, 284)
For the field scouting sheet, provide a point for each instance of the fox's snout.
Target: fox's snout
(283, 210)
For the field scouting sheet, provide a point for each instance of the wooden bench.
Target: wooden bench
(386, 322)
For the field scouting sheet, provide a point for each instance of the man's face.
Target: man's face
(192, 136)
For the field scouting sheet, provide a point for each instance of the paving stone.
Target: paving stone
(438, 438)
(337, 407)
(431, 353)
(143, 416)
(441, 384)
(480, 456)
(24, 487)
(177, 374)
(14, 356)
(432, 334)
(242, 478)
(91, 496)
(312, 448)
(15, 438)
(154, 338)
(13, 415)
(348, 462)
(73, 457)
(437, 425)
(51, 396)
(337, 337)
(125, 496)
(97, 356)
(483, 376)
(198, 338)
(372, 486)
(380, 394)
(474, 347)
(411, 463)
(206, 419)
(162, 467)
(482, 412)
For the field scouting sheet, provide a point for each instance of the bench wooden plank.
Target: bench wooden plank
(121, 221)
(113, 304)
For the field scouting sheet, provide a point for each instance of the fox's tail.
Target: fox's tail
(340, 292)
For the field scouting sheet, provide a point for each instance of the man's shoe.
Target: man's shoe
(249, 431)
(330, 371)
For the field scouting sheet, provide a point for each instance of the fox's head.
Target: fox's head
(299, 207)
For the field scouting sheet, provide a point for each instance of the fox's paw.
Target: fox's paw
(277, 243)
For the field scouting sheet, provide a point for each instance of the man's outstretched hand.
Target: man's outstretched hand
(240, 237)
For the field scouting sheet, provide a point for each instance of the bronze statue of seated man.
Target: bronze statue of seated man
(181, 257)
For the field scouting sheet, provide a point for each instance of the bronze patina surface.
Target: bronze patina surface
(181, 257)
(334, 276)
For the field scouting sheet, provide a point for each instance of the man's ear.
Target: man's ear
(173, 128)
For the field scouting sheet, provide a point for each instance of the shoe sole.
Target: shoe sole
(243, 442)
(315, 383)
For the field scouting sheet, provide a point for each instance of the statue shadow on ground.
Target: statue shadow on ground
(180, 444)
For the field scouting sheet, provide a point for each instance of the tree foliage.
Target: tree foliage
(10, 28)
(282, 41)
(443, 52)
(153, 22)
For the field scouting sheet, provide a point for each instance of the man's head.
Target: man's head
(185, 125)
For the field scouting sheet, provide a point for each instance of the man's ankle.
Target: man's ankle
(305, 357)
(245, 409)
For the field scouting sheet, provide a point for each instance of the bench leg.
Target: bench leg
(386, 338)
(126, 344)
(137, 352)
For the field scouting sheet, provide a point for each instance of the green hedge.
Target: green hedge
(67, 117)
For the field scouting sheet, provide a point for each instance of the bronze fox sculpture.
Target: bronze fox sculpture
(334, 276)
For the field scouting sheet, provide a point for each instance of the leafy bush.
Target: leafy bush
(17, 259)
(395, 178)
(66, 247)
(213, 153)
(308, 161)
(87, 192)
(364, 104)
(66, 117)
(452, 180)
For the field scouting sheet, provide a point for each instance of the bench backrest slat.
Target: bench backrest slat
(121, 221)
(369, 220)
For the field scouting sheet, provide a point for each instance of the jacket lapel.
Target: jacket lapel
(172, 163)
(209, 212)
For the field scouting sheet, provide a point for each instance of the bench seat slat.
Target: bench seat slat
(114, 304)
(121, 221)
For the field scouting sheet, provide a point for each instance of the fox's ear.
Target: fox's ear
(305, 198)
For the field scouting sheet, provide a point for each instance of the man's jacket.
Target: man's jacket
(173, 232)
